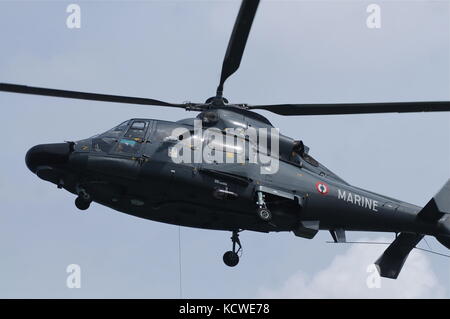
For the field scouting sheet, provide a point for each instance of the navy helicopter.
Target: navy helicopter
(136, 168)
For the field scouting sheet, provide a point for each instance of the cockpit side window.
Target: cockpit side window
(164, 132)
(103, 144)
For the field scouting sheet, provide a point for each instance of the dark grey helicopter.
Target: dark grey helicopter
(136, 168)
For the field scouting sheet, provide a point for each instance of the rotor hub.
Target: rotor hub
(217, 101)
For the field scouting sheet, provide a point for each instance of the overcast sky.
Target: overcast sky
(298, 51)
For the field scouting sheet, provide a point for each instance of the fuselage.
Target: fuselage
(137, 168)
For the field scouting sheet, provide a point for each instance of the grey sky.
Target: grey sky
(298, 51)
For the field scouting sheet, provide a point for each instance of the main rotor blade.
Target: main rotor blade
(238, 39)
(14, 88)
(354, 108)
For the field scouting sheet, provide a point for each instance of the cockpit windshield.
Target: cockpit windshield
(116, 131)
(104, 142)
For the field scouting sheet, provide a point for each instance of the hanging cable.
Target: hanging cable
(425, 240)
(179, 261)
(433, 252)
(384, 243)
(359, 242)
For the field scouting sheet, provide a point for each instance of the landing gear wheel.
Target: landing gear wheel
(230, 258)
(81, 203)
(264, 214)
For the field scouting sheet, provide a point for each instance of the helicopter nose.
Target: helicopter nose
(47, 155)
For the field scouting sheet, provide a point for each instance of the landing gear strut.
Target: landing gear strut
(83, 201)
(231, 258)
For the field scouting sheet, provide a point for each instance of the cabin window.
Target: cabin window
(169, 132)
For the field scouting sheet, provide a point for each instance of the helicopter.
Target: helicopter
(229, 169)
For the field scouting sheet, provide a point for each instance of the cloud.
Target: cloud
(347, 276)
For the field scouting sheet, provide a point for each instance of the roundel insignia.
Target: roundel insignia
(322, 188)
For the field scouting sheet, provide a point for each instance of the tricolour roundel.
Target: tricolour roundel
(322, 188)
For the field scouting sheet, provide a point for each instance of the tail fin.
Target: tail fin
(438, 206)
(391, 262)
(444, 240)
(436, 211)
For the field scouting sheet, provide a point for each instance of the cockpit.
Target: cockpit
(124, 138)
(129, 137)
